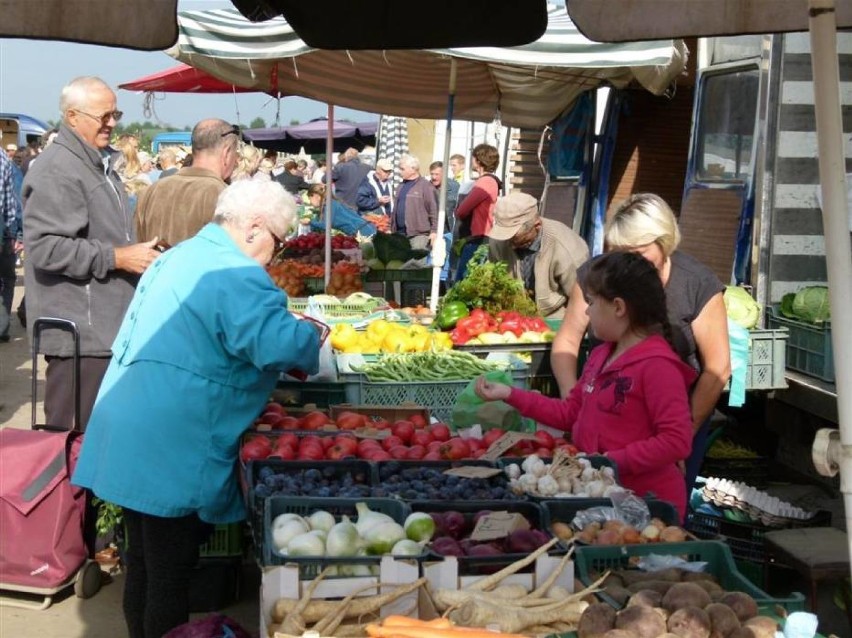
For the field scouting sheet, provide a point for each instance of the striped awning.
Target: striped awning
(524, 86)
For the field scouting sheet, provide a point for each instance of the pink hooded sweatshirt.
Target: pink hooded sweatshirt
(636, 412)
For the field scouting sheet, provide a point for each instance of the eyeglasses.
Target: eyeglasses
(234, 130)
(278, 243)
(105, 118)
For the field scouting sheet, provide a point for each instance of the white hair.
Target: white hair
(75, 94)
(410, 161)
(245, 199)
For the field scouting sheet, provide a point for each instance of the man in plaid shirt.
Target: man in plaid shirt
(9, 205)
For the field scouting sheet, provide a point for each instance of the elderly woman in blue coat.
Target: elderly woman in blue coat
(200, 349)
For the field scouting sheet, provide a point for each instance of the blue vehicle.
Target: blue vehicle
(21, 129)
(176, 138)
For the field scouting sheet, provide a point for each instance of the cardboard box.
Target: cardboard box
(283, 582)
(389, 413)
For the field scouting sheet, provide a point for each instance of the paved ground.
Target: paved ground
(101, 616)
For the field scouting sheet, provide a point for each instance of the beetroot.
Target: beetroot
(524, 541)
(438, 518)
(484, 549)
(454, 524)
(447, 546)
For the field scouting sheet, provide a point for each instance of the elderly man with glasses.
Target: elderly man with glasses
(83, 258)
(175, 209)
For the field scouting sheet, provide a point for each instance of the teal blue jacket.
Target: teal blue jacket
(200, 349)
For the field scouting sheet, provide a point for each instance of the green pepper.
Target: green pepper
(451, 313)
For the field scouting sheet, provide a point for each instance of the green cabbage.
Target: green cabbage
(741, 307)
(786, 307)
(811, 304)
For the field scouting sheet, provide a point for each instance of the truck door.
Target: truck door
(718, 200)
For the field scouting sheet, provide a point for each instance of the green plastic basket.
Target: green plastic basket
(360, 310)
(594, 561)
(227, 540)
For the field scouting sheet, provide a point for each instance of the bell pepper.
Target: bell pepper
(472, 325)
(451, 313)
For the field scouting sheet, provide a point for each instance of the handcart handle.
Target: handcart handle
(69, 326)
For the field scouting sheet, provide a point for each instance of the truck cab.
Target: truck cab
(21, 129)
(175, 138)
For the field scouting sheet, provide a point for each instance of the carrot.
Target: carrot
(376, 631)
(406, 621)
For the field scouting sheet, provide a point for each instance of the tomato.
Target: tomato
(476, 444)
(288, 439)
(350, 421)
(440, 431)
(347, 443)
(433, 456)
(544, 452)
(271, 419)
(314, 420)
(422, 437)
(404, 430)
(418, 420)
(310, 439)
(569, 448)
(311, 453)
(378, 455)
(434, 446)
(255, 449)
(337, 452)
(326, 442)
(285, 452)
(287, 423)
(277, 408)
(365, 446)
(545, 439)
(380, 424)
(492, 435)
(455, 449)
(416, 452)
(398, 452)
(391, 441)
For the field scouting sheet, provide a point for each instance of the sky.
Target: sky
(32, 74)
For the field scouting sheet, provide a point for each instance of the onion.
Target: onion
(343, 539)
(321, 520)
(381, 538)
(283, 531)
(309, 544)
(419, 527)
(406, 547)
(367, 519)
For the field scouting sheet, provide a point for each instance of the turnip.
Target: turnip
(406, 547)
(380, 539)
(419, 527)
(343, 539)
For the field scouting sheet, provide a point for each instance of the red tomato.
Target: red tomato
(351, 421)
(310, 439)
(288, 439)
(422, 437)
(455, 449)
(380, 424)
(277, 408)
(545, 439)
(378, 455)
(433, 456)
(311, 453)
(391, 441)
(255, 449)
(492, 435)
(348, 443)
(288, 423)
(326, 442)
(365, 446)
(314, 420)
(418, 420)
(404, 430)
(440, 431)
(476, 444)
(398, 452)
(477, 453)
(434, 446)
(544, 452)
(285, 452)
(415, 452)
(337, 452)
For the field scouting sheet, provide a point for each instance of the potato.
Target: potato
(742, 632)
(562, 531)
(635, 576)
(682, 595)
(608, 537)
(596, 620)
(692, 577)
(619, 633)
(689, 622)
(742, 605)
(613, 580)
(723, 620)
(672, 534)
(645, 598)
(661, 586)
(643, 622)
(762, 626)
(618, 594)
(710, 587)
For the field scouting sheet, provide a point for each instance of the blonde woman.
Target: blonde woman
(248, 161)
(645, 224)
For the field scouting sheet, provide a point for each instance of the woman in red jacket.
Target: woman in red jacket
(631, 404)
(476, 212)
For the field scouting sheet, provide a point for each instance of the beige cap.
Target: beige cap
(512, 212)
(385, 164)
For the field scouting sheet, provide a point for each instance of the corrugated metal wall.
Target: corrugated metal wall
(525, 172)
(798, 246)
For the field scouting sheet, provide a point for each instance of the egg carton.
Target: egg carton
(760, 506)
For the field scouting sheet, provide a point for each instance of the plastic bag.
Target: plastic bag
(327, 365)
(213, 626)
(659, 562)
(627, 507)
(469, 409)
(738, 339)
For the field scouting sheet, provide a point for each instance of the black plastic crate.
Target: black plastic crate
(387, 469)
(597, 461)
(745, 539)
(363, 473)
(563, 510)
(299, 393)
(309, 567)
(473, 565)
(751, 471)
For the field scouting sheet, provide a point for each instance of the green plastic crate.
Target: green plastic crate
(593, 561)
(300, 304)
(808, 346)
(766, 359)
(227, 540)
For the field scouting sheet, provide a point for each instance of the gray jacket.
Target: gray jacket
(75, 214)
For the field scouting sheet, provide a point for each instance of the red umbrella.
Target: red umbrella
(183, 79)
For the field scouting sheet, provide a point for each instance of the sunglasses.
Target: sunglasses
(105, 118)
(234, 130)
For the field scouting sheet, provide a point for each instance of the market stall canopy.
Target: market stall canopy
(183, 79)
(133, 24)
(312, 136)
(524, 86)
(630, 20)
(391, 24)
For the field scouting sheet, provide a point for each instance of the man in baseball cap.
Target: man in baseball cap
(375, 193)
(11, 149)
(543, 253)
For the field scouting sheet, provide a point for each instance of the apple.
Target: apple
(441, 431)
(422, 437)
(391, 441)
(404, 430)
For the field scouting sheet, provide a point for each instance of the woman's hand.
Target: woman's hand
(490, 391)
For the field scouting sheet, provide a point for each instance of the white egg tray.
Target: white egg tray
(760, 506)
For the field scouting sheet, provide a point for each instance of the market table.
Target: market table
(409, 287)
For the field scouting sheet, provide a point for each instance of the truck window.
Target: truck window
(726, 128)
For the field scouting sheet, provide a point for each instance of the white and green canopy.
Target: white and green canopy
(525, 86)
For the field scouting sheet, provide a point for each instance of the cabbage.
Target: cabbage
(811, 304)
(741, 307)
(786, 306)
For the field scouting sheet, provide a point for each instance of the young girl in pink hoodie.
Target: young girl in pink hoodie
(631, 402)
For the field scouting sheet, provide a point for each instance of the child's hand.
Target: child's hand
(490, 391)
